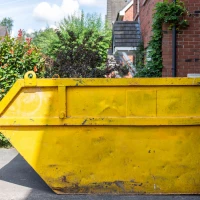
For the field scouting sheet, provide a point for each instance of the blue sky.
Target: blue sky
(37, 14)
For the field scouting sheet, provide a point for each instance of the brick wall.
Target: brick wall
(188, 44)
(129, 14)
(145, 15)
(188, 41)
(131, 57)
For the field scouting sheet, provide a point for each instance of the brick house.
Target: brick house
(126, 13)
(188, 41)
(126, 35)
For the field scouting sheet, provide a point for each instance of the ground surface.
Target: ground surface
(18, 181)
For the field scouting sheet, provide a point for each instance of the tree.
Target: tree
(43, 39)
(78, 47)
(8, 22)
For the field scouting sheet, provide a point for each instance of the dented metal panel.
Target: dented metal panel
(107, 135)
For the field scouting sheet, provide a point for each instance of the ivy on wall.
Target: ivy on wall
(139, 56)
(165, 12)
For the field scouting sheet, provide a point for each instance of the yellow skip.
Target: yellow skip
(107, 135)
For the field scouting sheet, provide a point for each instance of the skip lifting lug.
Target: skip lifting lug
(30, 79)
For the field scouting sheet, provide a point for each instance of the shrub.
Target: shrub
(16, 58)
(78, 47)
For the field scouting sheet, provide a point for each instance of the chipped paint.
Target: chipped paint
(107, 135)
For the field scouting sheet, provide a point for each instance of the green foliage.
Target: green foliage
(171, 14)
(4, 142)
(139, 56)
(8, 22)
(43, 39)
(78, 47)
(16, 58)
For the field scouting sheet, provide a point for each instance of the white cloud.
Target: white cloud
(53, 26)
(12, 34)
(30, 30)
(93, 3)
(43, 28)
(54, 13)
(87, 2)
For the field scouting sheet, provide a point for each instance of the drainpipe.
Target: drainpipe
(174, 50)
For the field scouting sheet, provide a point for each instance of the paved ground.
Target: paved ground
(18, 181)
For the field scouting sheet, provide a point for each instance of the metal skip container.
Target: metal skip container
(101, 136)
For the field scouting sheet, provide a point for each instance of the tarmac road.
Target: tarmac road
(18, 181)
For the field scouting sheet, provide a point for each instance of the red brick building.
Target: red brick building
(126, 33)
(188, 41)
(127, 13)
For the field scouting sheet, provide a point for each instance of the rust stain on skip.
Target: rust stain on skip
(104, 187)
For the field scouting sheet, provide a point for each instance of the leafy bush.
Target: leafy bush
(4, 142)
(139, 57)
(16, 58)
(43, 39)
(78, 47)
